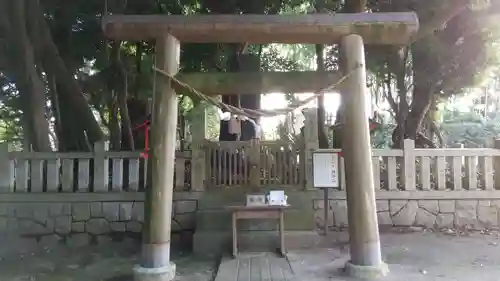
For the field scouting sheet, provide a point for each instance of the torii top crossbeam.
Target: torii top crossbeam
(375, 28)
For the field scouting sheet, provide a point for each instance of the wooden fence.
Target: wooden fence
(413, 169)
(236, 164)
(97, 171)
(258, 163)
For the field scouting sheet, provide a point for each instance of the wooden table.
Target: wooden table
(257, 212)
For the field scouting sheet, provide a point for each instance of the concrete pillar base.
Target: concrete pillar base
(366, 271)
(166, 273)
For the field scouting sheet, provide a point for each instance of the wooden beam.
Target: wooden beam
(223, 83)
(375, 28)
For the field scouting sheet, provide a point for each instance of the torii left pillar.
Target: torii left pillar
(155, 264)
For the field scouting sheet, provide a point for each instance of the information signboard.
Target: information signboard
(326, 169)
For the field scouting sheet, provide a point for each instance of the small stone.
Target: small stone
(97, 226)
(81, 211)
(73, 266)
(423, 271)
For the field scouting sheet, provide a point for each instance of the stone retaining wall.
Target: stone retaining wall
(85, 222)
(475, 214)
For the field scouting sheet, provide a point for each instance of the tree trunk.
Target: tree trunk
(322, 138)
(121, 88)
(29, 83)
(241, 63)
(67, 86)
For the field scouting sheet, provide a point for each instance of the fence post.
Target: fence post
(6, 169)
(310, 144)
(198, 130)
(101, 166)
(409, 164)
(496, 165)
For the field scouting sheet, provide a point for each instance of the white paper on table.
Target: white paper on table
(277, 197)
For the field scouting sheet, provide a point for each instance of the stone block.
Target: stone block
(59, 209)
(403, 212)
(483, 203)
(495, 203)
(319, 217)
(318, 204)
(51, 241)
(384, 218)
(446, 206)
(445, 220)
(339, 209)
(382, 205)
(183, 221)
(80, 211)
(487, 216)
(50, 225)
(96, 210)
(466, 213)
(125, 213)
(430, 206)
(78, 227)
(138, 211)
(425, 218)
(134, 226)
(62, 225)
(187, 206)
(78, 240)
(40, 211)
(24, 211)
(117, 226)
(3, 224)
(97, 226)
(111, 211)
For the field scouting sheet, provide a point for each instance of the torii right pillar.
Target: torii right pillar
(364, 239)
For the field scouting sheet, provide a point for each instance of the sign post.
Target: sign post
(326, 176)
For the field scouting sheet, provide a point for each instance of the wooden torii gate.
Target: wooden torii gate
(350, 30)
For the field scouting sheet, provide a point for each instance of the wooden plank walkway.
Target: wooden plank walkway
(255, 267)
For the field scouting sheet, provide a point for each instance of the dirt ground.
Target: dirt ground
(411, 254)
